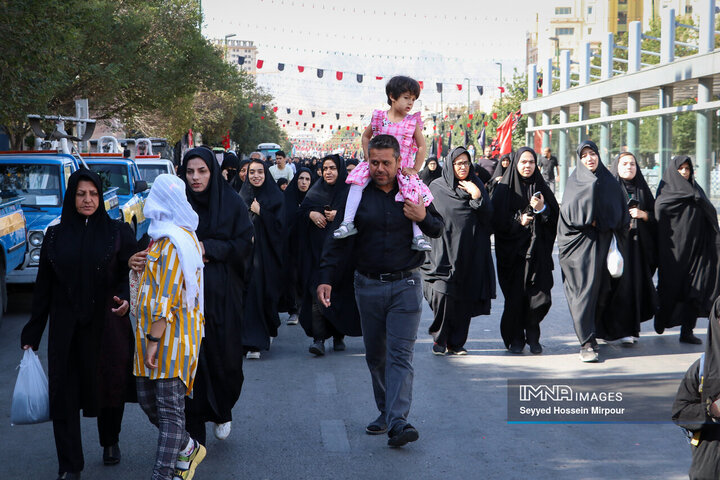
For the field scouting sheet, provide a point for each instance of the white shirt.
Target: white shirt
(286, 172)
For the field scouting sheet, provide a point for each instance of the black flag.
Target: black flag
(359, 78)
(439, 87)
(320, 72)
(480, 89)
(281, 66)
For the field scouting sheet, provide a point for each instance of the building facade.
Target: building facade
(241, 53)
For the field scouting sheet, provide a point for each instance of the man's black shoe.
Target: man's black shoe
(402, 436)
(691, 339)
(338, 344)
(111, 455)
(377, 426)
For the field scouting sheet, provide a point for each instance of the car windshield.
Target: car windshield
(113, 175)
(39, 184)
(150, 172)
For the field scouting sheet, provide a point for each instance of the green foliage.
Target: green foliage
(144, 62)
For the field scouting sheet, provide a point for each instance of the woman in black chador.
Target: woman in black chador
(225, 234)
(697, 405)
(82, 284)
(458, 274)
(267, 212)
(431, 171)
(525, 223)
(594, 210)
(294, 194)
(315, 216)
(687, 250)
(641, 259)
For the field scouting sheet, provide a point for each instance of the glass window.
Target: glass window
(39, 184)
(113, 176)
(590, 10)
(150, 172)
(563, 10)
(564, 31)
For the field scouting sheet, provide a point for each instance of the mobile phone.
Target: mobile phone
(633, 203)
(536, 194)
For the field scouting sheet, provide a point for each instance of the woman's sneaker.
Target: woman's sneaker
(420, 244)
(345, 230)
(222, 430)
(186, 464)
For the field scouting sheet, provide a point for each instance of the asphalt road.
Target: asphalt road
(304, 417)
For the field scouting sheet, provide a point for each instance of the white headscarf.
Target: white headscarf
(170, 212)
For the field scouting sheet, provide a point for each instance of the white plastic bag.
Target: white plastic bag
(615, 261)
(31, 398)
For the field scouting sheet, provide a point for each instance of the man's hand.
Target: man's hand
(525, 219)
(415, 211)
(323, 293)
(151, 350)
(123, 308)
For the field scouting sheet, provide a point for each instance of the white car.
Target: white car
(151, 166)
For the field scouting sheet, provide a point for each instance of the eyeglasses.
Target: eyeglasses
(461, 164)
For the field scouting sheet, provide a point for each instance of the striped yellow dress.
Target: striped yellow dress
(161, 295)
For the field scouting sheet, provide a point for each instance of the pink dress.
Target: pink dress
(404, 132)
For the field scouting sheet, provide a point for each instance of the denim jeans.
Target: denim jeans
(390, 316)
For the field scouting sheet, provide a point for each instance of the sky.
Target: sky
(456, 42)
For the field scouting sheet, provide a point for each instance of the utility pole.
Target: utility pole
(468, 92)
(501, 78)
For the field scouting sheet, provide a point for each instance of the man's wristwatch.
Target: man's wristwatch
(151, 338)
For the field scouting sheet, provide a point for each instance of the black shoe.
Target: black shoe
(111, 455)
(536, 348)
(377, 426)
(317, 348)
(402, 436)
(69, 476)
(516, 347)
(439, 349)
(691, 339)
(338, 344)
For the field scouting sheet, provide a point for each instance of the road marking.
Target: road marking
(325, 384)
(334, 436)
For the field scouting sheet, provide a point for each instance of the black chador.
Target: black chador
(261, 319)
(594, 209)
(226, 233)
(458, 274)
(524, 253)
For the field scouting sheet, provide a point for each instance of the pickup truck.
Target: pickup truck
(13, 233)
(36, 181)
(123, 173)
(151, 166)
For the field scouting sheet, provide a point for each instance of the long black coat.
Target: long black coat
(82, 266)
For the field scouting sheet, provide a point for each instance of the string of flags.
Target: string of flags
(359, 77)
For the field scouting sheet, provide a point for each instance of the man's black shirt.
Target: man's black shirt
(382, 244)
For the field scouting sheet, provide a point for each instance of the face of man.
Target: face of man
(87, 198)
(546, 153)
(255, 156)
(382, 166)
(280, 160)
(488, 150)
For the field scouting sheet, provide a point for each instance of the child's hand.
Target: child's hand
(409, 171)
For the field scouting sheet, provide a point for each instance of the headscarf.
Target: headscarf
(321, 194)
(208, 204)
(232, 162)
(351, 161)
(268, 194)
(294, 197)
(451, 183)
(172, 217)
(500, 170)
(635, 188)
(82, 245)
(427, 175)
(244, 162)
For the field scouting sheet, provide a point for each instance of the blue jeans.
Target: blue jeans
(390, 316)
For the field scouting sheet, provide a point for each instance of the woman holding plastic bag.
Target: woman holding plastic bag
(82, 285)
(593, 214)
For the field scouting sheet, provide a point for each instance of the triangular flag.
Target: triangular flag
(262, 117)
(421, 84)
(262, 107)
(339, 75)
(337, 116)
(313, 114)
(260, 63)
(320, 72)
(301, 68)
(502, 89)
(251, 104)
(241, 60)
(299, 112)
(480, 89)
(459, 85)
(281, 66)
(494, 115)
(439, 87)
(288, 111)
(471, 115)
(378, 78)
(275, 109)
(359, 78)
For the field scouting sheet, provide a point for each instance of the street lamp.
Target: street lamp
(556, 40)
(501, 78)
(230, 35)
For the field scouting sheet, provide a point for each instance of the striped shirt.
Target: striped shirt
(161, 295)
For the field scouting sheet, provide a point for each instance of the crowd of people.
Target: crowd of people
(348, 248)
